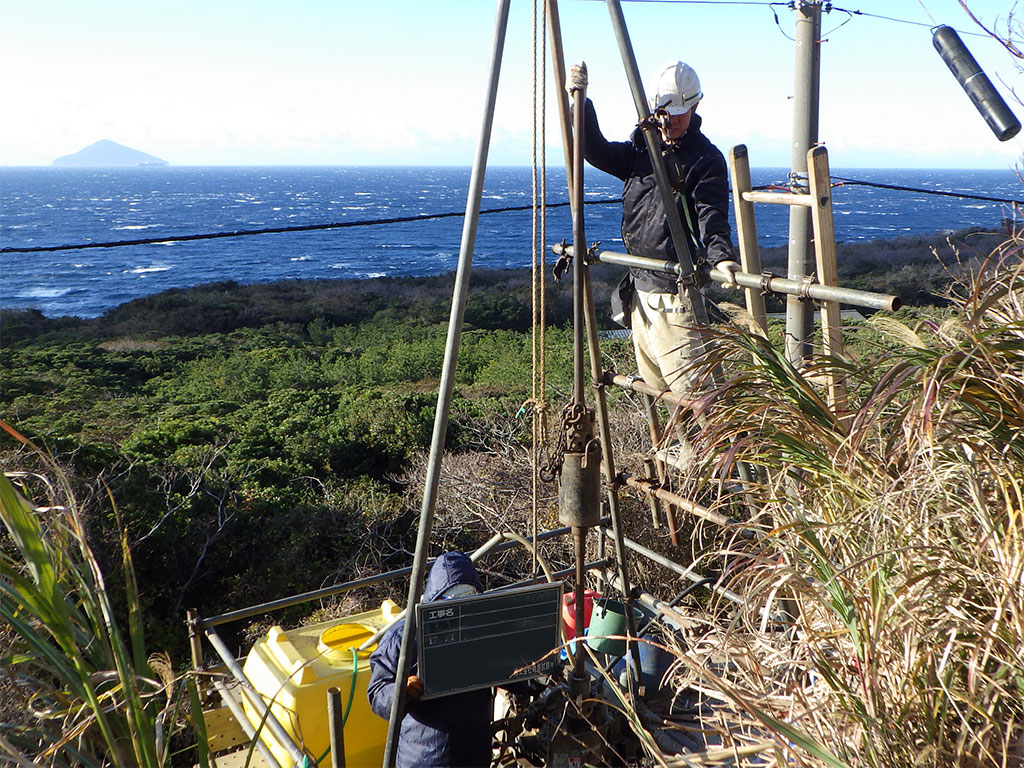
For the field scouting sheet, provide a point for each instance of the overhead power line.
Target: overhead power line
(431, 216)
(855, 183)
(828, 7)
(276, 230)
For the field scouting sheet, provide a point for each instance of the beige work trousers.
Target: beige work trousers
(666, 342)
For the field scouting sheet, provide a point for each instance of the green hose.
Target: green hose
(352, 690)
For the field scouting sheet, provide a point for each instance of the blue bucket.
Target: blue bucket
(654, 663)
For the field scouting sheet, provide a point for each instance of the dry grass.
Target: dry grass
(92, 696)
(896, 534)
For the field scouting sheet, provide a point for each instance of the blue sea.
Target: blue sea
(59, 206)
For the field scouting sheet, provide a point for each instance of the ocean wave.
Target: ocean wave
(83, 212)
(43, 293)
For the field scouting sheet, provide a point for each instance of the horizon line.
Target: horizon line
(558, 166)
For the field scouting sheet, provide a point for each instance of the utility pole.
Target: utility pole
(799, 312)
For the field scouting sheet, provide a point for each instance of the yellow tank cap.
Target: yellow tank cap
(336, 642)
(389, 610)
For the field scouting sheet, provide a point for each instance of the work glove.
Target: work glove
(729, 268)
(577, 78)
(413, 687)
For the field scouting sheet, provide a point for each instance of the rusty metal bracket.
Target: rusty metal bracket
(577, 427)
(652, 121)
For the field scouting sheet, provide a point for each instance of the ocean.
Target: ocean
(60, 206)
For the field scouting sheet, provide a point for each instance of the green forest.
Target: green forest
(248, 442)
(243, 428)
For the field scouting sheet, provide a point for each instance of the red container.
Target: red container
(569, 610)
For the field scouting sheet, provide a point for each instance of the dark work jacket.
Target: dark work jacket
(697, 170)
(448, 731)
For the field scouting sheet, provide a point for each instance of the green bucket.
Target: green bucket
(609, 618)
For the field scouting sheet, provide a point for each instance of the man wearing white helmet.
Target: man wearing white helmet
(662, 323)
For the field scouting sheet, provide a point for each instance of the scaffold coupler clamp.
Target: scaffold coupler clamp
(803, 290)
(592, 252)
(564, 261)
(689, 280)
(653, 120)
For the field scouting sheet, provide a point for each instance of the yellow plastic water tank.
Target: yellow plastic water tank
(293, 671)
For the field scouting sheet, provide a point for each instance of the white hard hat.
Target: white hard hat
(676, 89)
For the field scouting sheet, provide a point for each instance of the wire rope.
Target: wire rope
(535, 304)
(543, 378)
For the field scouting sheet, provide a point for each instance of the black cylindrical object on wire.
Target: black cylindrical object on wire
(961, 63)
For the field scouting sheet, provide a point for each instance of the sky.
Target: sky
(403, 82)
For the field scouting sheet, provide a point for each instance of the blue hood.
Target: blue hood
(447, 731)
(450, 569)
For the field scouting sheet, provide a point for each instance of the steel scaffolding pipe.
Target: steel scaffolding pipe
(255, 699)
(675, 567)
(238, 712)
(337, 589)
(769, 283)
(641, 386)
(653, 488)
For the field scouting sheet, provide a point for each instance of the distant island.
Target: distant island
(105, 154)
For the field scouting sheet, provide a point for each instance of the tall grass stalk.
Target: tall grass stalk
(897, 530)
(93, 696)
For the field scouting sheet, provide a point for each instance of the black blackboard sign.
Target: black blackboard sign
(490, 639)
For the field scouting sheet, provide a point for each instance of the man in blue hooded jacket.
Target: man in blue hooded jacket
(448, 731)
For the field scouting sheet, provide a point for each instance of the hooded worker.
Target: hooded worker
(447, 731)
(661, 319)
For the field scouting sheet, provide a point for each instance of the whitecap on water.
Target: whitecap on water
(152, 268)
(43, 293)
